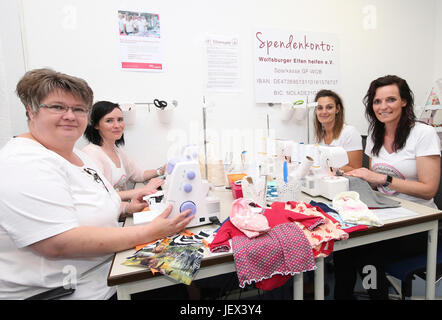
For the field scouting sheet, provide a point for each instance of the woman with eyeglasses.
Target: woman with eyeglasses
(105, 133)
(330, 129)
(58, 214)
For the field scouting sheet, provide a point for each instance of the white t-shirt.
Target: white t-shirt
(349, 139)
(120, 177)
(121, 24)
(129, 26)
(422, 141)
(42, 195)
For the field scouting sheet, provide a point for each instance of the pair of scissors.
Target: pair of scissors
(298, 102)
(160, 104)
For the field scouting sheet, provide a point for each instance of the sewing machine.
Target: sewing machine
(184, 189)
(320, 180)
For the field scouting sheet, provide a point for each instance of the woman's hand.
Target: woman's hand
(164, 226)
(163, 169)
(136, 204)
(154, 183)
(371, 177)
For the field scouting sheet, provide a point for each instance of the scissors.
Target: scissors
(160, 104)
(298, 102)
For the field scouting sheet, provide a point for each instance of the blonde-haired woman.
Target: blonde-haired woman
(330, 129)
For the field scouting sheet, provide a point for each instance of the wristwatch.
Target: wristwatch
(159, 171)
(388, 181)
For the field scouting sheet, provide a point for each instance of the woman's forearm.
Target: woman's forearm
(412, 188)
(85, 241)
(428, 168)
(127, 194)
(149, 174)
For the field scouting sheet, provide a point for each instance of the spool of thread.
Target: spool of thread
(302, 153)
(303, 169)
(295, 153)
(316, 155)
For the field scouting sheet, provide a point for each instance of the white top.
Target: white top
(44, 195)
(349, 139)
(121, 24)
(129, 26)
(422, 141)
(117, 176)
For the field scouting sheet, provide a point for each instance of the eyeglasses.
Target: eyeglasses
(96, 177)
(59, 109)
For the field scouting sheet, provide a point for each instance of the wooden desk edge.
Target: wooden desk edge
(396, 225)
(143, 274)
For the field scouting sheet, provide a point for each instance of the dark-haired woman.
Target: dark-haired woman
(330, 129)
(404, 162)
(105, 134)
(404, 154)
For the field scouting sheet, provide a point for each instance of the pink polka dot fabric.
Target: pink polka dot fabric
(284, 250)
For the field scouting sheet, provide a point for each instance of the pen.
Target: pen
(285, 171)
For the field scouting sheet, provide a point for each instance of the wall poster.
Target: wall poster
(289, 64)
(222, 63)
(140, 42)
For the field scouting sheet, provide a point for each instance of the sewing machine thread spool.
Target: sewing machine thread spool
(301, 152)
(303, 169)
(316, 155)
(295, 153)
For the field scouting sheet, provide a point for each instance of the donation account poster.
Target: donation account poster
(289, 64)
(140, 42)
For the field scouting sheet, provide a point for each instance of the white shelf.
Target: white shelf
(432, 108)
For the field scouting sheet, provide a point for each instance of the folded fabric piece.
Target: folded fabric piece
(347, 227)
(353, 210)
(368, 196)
(250, 223)
(323, 237)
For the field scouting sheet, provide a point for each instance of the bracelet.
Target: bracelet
(388, 180)
(159, 171)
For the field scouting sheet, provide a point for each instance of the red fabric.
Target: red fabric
(283, 251)
(276, 216)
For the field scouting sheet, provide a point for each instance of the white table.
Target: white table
(131, 280)
(426, 221)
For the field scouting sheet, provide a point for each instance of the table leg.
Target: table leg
(430, 285)
(319, 279)
(122, 294)
(298, 286)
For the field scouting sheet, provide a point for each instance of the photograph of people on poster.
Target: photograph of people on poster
(138, 24)
(140, 42)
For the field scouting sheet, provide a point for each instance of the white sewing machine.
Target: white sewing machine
(184, 189)
(320, 180)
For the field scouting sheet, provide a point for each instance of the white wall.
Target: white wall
(78, 37)
(438, 41)
(12, 66)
